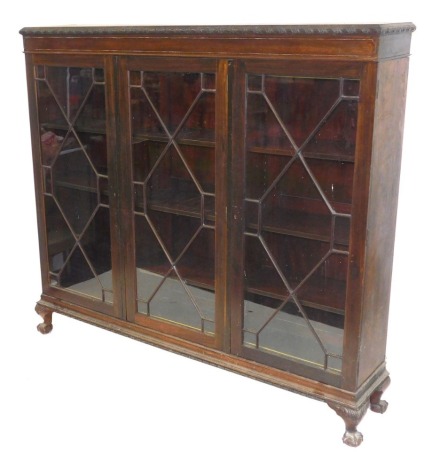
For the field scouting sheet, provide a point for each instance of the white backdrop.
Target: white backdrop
(84, 398)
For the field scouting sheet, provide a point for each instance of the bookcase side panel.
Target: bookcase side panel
(382, 211)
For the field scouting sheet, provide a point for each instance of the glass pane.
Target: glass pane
(200, 124)
(336, 135)
(171, 300)
(71, 107)
(325, 288)
(53, 124)
(173, 125)
(301, 103)
(263, 128)
(282, 330)
(172, 94)
(300, 141)
(172, 184)
(202, 161)
(92, 113)
(149, 255)
(95, 147)
(261, 274)
(75, 185)
(294, 205)
(61, 241)
(145, 122)
(96, 244)
(70, 86)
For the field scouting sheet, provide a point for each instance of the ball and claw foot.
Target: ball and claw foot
(376, 404)
(380, 407)
(46, 326)
(352, 418)
(352, 438)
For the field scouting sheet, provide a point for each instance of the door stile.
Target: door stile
(223, 154)
(236, 213)
(126, 218)
(37, 170)
(113, 172)
(356, 274)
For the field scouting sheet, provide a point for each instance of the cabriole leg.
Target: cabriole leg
(46, 313)
(376, 404)
(352, 418)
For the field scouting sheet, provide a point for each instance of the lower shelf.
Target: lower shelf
(292, 337)
(171, 300)
(286, 335)
(99, 288)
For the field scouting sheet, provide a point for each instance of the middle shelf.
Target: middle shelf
(300, 224)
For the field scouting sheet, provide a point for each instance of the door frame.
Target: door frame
(220, 340)
(85, 60)
(295, 68)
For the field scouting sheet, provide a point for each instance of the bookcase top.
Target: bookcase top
(222, 30)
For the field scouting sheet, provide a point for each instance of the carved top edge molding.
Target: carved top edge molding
(246, 30)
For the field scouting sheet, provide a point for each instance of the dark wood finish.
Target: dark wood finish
(125, 189)
(359, 221)
(357, 42)
(174, 330)
(114, 168)
(46, 313)
(376, 404)
(282, 379)
(223, 326)
(236, 213)
(194, 275)
(301, 206)
(222, 30)
(77, 61)
(384, 185)
(352, 417)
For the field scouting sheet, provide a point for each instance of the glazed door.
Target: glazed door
(75, 170)
(296, 128)
(173, 120)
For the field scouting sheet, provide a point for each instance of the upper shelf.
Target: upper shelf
(198, 138)
(97, 126)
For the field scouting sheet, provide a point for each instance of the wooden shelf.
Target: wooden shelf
(196, 138)
(304, 225)
(328, 295)
(76, 187)
(81, 187)
(325, 294)
(195, 275)
(292, 223)
(314, 150)
(93, 127)
(171, 204)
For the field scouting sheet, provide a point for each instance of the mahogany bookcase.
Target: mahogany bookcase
(228, 193)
